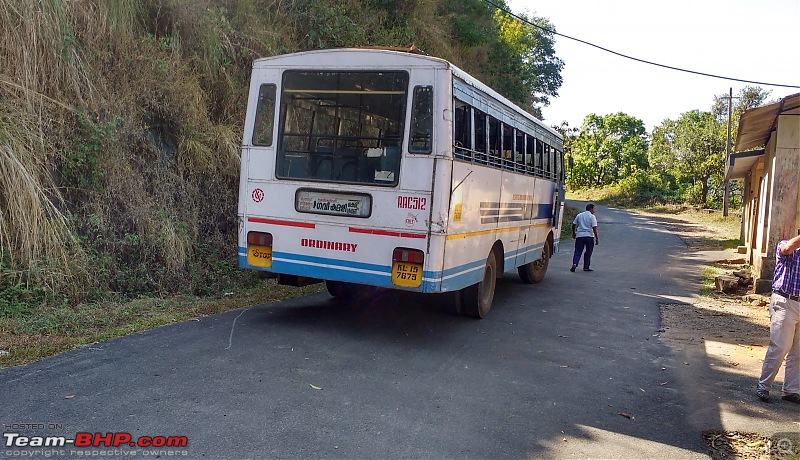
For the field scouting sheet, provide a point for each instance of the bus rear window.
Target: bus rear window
(265, 116)
(421, 120)
(342, 126)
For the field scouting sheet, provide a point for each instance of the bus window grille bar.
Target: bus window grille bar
(481, 158)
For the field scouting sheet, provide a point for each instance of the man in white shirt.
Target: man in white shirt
(584, 231)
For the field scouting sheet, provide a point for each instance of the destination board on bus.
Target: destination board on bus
(333, 203)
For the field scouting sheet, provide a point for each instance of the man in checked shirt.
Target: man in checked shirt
(784, 324)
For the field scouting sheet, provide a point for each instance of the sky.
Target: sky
(745, 39)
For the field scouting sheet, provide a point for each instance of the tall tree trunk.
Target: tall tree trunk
(704, 194)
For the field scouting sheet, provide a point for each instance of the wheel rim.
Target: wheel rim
(539, 266)
(541, 261)
(486, 288)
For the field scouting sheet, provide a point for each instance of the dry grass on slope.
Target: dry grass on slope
(107, 147)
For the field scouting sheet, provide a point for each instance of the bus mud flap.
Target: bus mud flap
(297, 281)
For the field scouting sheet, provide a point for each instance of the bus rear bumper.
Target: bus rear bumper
(338, 270)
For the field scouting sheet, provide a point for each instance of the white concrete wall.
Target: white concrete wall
(779, 200)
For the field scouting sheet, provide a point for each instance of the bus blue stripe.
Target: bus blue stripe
(460, 281)
(544, 211)
(341, 273)
(435, 281)
(461, 268)
(329, 261)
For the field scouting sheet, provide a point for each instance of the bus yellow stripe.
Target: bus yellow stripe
(458, 236)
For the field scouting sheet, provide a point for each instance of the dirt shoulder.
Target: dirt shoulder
(730, 326)
(730, 332)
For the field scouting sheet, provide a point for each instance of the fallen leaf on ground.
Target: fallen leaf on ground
(314, 387)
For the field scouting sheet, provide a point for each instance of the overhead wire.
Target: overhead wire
(644, 61)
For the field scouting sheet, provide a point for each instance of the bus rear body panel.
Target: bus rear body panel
(493, 206)
(353, 170)
(318, 244)
(340, 144)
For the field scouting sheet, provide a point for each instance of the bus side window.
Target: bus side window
(421, 120)
(547, 167)
(480, 136)
(519, 151)
(559, 166)
(462, 139)
(495, 142)
(265, 116)
(539, 158)
(529, 150)
(508, 146)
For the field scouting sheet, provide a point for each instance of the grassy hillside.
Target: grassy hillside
(120, 124)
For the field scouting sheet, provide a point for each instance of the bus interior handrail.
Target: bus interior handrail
(482, 158)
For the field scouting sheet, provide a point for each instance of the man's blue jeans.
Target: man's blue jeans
(582, 242)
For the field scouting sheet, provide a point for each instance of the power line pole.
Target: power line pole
(727, 155)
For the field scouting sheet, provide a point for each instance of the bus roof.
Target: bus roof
(378, 57)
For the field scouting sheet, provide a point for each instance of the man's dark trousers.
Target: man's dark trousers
(582, 242)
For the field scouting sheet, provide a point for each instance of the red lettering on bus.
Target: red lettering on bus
(412, 202)
(332, 245)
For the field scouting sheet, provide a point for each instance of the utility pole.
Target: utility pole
(727, 155)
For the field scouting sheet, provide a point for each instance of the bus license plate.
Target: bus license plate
(259, 256)
(406, 274)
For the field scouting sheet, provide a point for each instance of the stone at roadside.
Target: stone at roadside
(726, 283)
(745, 278)
(757, 300)
(730, 262)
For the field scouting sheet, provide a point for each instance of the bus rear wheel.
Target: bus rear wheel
(340, 290)
(533, 272)
(476, 300)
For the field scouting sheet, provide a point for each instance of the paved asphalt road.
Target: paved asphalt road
(571, 367)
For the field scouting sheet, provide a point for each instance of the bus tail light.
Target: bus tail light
(407, 267)
(259, 238)
(408, 255)
(259, 249)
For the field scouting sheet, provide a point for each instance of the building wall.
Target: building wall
(787, 180)
(773, 199)
(759, 250)
(752, 194)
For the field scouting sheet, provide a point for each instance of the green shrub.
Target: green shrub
(692, 194)
(646, 189)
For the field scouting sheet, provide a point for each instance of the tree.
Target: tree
(660, 154)
(526, 69)
(747, 98)
(515, 58)
(607, 149)
(693, 147)
(568, 133)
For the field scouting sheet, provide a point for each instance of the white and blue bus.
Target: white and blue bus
(394, 169)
